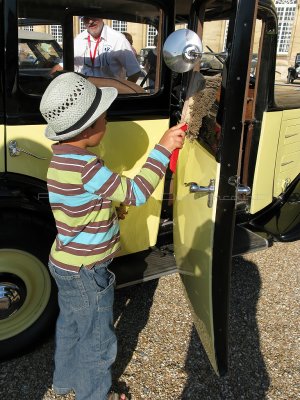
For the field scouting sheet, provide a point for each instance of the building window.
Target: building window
(26, 28)
(81, 25)
(151, 33)
(286, 14)
(56, 32)
(120, 26)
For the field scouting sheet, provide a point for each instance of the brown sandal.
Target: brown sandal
(117, 396)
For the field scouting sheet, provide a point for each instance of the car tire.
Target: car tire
(28, 293)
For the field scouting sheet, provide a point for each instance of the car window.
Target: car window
(41, 55)
(120, 54)
(211, 67)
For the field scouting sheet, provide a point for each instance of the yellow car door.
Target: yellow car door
(206, 185)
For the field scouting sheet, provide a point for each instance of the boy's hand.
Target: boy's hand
(173, 138)
(121, 211)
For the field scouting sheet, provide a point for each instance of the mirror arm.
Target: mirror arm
(223, 54)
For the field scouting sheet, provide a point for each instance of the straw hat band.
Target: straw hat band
(90, 111)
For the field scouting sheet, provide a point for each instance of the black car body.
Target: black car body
(294, 72)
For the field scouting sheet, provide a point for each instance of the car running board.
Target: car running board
(144, 266)
(246, 241)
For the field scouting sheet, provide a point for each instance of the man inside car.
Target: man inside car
(100, 51)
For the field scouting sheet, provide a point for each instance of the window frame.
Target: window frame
(23, 109)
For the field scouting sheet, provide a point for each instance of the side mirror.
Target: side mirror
(183, 49)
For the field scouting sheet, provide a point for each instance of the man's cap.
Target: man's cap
(71, 104)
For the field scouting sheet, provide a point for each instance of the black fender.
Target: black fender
(25, 193)
(282, 218)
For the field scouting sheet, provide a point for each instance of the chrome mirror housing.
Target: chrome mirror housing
(183, 49)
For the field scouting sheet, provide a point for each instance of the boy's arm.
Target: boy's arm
(99, 180)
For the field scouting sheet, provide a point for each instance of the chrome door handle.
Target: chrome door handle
(194, 188)
(14, 150)
(210, 189)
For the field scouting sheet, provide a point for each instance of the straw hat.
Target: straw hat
(71, 104)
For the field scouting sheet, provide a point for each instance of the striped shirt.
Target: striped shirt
(81, 191)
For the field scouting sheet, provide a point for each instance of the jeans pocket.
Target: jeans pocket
(105, 301)
(103, 277)
(71, 290)
(105, 280)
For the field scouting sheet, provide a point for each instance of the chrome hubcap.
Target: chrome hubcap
(12, 294)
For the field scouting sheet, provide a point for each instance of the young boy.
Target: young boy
(81, 191)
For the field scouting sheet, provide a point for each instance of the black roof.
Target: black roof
(139, 9)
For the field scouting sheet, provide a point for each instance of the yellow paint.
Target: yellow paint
(262, 190)
(30, 138)
(288, 155)
(2, 149)
(278, 158)
(193, 236)
(124, 149)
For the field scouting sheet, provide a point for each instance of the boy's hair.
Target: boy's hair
(71, 104)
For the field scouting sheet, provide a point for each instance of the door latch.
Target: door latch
(210, 190)
(14, 150)
(241, 189)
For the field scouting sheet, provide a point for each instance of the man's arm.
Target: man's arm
(129, 61)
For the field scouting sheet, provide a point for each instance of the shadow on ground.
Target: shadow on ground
(30, 376)
(131, 311)
(247, 376)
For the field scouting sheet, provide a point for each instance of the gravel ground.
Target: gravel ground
(160, 356)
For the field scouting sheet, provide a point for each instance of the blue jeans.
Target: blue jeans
(86, 345)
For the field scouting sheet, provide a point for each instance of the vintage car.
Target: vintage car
(294, 72)
(143, 54)
(39, 52)
(236, 186)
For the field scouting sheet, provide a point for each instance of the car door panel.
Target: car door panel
(193, 242)
(204, 230)
(288, 154)
(263, 183)
(131, 142)
(277, 158)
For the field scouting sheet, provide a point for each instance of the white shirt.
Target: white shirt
(114, 56)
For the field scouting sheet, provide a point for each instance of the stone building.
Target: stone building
(288, 35)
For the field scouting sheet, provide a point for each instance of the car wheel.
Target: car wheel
(28, 305)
